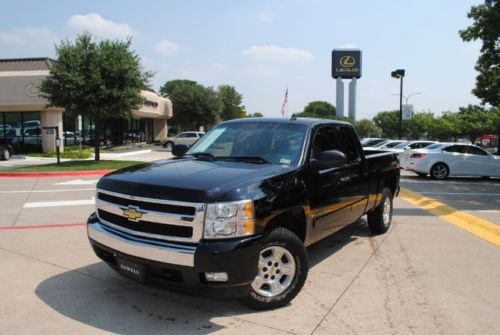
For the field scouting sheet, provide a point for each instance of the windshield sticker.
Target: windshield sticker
(209, 139)
(285, 161)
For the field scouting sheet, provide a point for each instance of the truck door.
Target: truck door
(337, 195)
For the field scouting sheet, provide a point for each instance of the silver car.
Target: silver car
(187, 137)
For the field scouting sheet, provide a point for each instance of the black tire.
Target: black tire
(5, 154)
(295, 257)
(421, 174)
(485, 177)
(439, 171)
(380, 219)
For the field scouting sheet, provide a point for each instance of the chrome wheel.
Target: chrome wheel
(276, 270)
(387, 212)
(439, 171)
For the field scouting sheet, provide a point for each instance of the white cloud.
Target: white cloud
(166, 47)
(260, 71)
(29, 37)
(99, 26)
(277, 54)
(265, 17)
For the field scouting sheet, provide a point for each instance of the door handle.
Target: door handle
(344, 179)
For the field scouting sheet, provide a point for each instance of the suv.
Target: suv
(187, 137)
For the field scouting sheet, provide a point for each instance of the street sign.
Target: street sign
(346, 63)
(407, 112)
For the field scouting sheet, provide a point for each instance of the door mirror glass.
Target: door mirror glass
(329, 159)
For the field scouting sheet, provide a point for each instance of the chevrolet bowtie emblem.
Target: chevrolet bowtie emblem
(133, 213)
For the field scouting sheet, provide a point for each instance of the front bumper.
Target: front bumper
(180, 266)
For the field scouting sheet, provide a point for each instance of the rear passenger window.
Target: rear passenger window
(456, 148)
(477, 151)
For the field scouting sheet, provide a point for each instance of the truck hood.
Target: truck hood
(192, 180)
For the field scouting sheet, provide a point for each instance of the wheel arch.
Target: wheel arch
(293, 220)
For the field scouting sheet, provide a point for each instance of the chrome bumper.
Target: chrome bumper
(159, 251)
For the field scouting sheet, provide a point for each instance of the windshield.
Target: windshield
(434, 146)
(401, 145)
(275, 143)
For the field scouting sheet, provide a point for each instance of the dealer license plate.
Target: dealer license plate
(132, 270)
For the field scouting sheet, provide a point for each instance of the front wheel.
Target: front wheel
(5, 154)
(281, 271)
(379, 220)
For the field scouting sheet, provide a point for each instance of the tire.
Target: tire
(380, 219)
(421, 174)
(168, 145)
(5, 154)
(439, 171)
(485, 177)
(287, 285)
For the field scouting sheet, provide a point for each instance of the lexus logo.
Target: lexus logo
(347, 61)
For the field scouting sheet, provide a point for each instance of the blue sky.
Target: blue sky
(260, 47)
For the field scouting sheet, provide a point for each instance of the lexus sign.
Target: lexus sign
(346, 64)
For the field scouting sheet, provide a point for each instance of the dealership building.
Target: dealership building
(29, 125)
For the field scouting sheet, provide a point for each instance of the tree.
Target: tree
(474, 121)
(319, 109)
(255, 115)
(231, 103)
(367, 128)
(388, 121)
(486, 27)
(98, 80)
(194, 105)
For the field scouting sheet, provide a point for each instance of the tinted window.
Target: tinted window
(456, 148)
(341, 138)
(477, 151)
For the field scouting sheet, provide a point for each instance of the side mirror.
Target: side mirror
(179, 150)
(329, 159)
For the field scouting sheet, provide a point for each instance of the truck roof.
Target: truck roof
(299, 120)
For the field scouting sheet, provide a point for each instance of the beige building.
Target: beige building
(28, 125)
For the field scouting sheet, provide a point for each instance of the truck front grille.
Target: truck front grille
(151, 217)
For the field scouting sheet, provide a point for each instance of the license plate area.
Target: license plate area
(132, 270)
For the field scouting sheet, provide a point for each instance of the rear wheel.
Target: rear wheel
(439, 171)
(168, 145)
(380, 219)
(281, 271)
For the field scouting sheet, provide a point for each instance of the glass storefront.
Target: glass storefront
(22, 130)
(116, 132)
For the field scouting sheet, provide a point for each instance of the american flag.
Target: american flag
(285, 103)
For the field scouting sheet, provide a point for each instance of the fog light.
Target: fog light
(216, 276)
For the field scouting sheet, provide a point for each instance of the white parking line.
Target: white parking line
(49, 191)
(79, 182)
(90, 201)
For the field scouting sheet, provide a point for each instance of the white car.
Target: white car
(403, 148)
(453, 159)
(187, 137)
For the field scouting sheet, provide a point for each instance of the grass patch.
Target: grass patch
(72, 152)
(75, 166)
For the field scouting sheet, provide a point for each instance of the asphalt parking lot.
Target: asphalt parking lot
(425, 276)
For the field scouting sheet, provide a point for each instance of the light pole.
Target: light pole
(408, 96)
(399, 74)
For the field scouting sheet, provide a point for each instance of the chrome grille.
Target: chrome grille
(159, 219)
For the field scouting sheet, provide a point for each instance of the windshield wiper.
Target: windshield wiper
(249, 159)
(208, 155)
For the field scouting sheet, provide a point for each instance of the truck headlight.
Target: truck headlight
(229, 219)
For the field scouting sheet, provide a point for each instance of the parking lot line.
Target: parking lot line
(61, 203)
(477, 226)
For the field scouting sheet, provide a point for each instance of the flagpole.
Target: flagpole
(284, 108)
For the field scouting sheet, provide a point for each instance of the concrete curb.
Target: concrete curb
(54, 174)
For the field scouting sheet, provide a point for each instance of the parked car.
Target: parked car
(369, 142)
(5, 152)
(402, 148)
(453, 159)
(187, 137)
(232, 216)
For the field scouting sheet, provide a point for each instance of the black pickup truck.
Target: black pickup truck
(231, 216)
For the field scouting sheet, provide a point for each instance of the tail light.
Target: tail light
(418, 155)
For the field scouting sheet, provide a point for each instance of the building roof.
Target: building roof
(25, 64)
